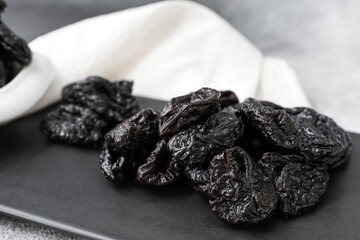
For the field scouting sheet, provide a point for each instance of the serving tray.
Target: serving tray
(61, 187)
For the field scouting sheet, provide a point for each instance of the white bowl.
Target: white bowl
(26, 89)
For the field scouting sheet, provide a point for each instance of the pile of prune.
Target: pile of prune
(14, 52)
(250, 160)
(89, 109)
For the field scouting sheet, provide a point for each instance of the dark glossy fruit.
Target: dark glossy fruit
(159, 168)
(300, 131)
(74, 124)
(272, 126)
(198, 144)
(239, 192)
(249, 159)
(183, 111)
(14, 52)
(128, 144)
(321, 139)
(299, 186)
(228, 98)
(111, 100)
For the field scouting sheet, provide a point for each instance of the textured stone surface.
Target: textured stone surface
(319, 39)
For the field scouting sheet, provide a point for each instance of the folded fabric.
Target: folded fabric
(168, 49)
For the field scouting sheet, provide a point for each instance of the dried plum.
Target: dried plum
(321, 139)
(12, 47)
(271, 125)
(159, 168)
(197, 144)
(248, 159)
(228, 98)
(187, 110)
(273, 162)
(300, 186)
(127, 145)
(75, 125)
(113, 101)
(238, 191)
(14, 52)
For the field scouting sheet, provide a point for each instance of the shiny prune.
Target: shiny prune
(299, 186)
(159, 168)
(183, 111)
(238, 191)
(274, 127)
(14, 52)
(127, 145)
(228, 98)
(198, 144)
(75, 125)
(321, 139)
(111, 100)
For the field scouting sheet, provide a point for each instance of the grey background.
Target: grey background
(319, 39)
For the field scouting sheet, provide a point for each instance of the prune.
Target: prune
(273, 126)
(300, 131)
(183, 111)
(75, 125)
(300, 186)
(228, 98)
(238, 190)
(127, 145)
(321, 139)
(196, 174)
(14, 52)
(12, 47)
(201, 142)
(112, 101)
(198, 177)
(159, 168)
(273, 162)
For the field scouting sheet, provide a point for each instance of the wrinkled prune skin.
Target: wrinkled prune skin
(112, 101)
(198, 177)
(273, 162)
(300, 131)
(228, 98)
(127, 145)
(14, 52)
(238, 191)
(187, 110)
(198, 144)
(75, 125)
(300, 187)
(274, 126)
(12, 47)
(159, 168)
(321, 139)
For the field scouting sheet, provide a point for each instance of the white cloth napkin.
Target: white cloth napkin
(168, 48)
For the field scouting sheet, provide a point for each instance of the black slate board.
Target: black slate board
(61, 186)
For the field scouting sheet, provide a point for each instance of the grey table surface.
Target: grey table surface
(319, 39)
